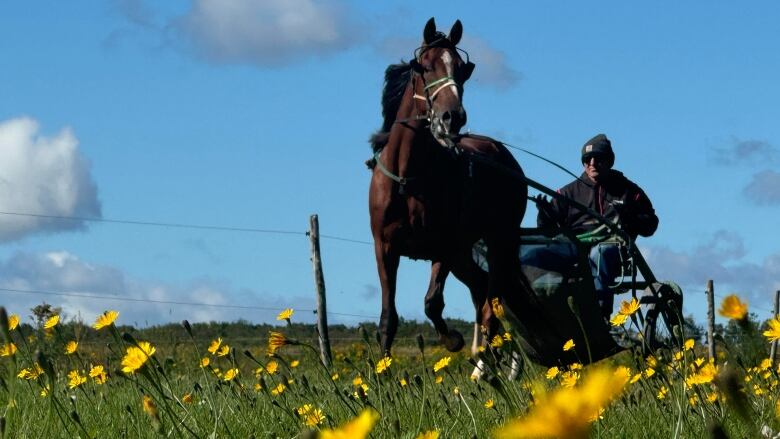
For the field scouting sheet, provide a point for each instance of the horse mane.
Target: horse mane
(397, 77)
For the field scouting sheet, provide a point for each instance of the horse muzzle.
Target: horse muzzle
(446, 125)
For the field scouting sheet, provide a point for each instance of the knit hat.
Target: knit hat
(598, 145)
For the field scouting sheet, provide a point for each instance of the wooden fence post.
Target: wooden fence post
(319, 283)
(773, 352)
(710, 320)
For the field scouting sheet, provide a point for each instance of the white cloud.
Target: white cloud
(721, 258)
(45, 176)
(63, 272)
(764, 188)
(744, 152)
(492, 67)
(264, 33)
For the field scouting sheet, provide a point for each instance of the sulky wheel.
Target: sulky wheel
(663, 312)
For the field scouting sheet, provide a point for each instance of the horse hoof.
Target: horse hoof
(453, 341)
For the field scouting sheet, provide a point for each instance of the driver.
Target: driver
(613, 196)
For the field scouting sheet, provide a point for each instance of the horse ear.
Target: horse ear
(455, 33)
(429, 34)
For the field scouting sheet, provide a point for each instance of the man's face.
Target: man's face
(596, 166)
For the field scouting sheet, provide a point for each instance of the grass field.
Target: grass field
(277, 387)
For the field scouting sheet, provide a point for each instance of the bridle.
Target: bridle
(437, 85)
(429, 96)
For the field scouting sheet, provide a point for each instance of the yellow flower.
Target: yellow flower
(312, 417)
(13, 322)
(215, 344)
(357, 428)
(567, 412)
(766, 363)
(432, 434)
(575, 366)
(31, 373)
(623, 372)
(137, 356)
(75, 379)
(698, 362)
(149, 406)
(383, 364)
(45, 391)
(224, 350)
(258, 387)
(441, 364)
(569, 379)
(497, 342)
(279, 389)
(551, 373)
(773, 333)
(636, 377)
(357, 381)
(439, 379)
(295, 363)
(285, 315)
(98, 374)
(507, 336)
(651, 361)
(230, 374)
(52, 321)
(334, 377)
(187, 398)
(498, 308)
(733, 308)
(649, 372)
(705, 375)
(105, 319)
(71, 346)
(678, 356)
(618, 319)
(569, 345)
(629, 308)
(7, 350)
(489, 404)
(204, 362)
(271, 367)
(688, 345)
(275, 341)
(403, 382)
(662, 392)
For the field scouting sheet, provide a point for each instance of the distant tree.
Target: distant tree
(42, 312)
(692, 329)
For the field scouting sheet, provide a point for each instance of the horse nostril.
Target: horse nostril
(446, 116)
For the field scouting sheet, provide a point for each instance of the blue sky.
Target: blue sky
(256, 114)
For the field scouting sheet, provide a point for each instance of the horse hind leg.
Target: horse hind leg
(434, 308)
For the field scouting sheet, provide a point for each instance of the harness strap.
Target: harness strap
(400, 180)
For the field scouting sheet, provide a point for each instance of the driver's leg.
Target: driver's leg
(605, 266)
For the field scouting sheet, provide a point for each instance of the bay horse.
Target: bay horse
(430, 199)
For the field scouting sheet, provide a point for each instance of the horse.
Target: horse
(434, 193)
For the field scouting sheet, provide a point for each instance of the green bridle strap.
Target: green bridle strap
(438, 81)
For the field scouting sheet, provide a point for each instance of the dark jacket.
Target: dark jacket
(615, 198)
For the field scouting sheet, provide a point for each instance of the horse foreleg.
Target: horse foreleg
(434, 308)
(387, 265)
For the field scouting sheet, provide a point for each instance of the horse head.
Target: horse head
(442, 72)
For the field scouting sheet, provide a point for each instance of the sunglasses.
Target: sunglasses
(597, 157)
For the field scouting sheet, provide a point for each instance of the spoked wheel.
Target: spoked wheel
(663, 311)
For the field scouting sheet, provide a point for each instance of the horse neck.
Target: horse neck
(405, 147)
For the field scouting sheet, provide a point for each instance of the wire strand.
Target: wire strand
(170, 302)
(183, 226)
